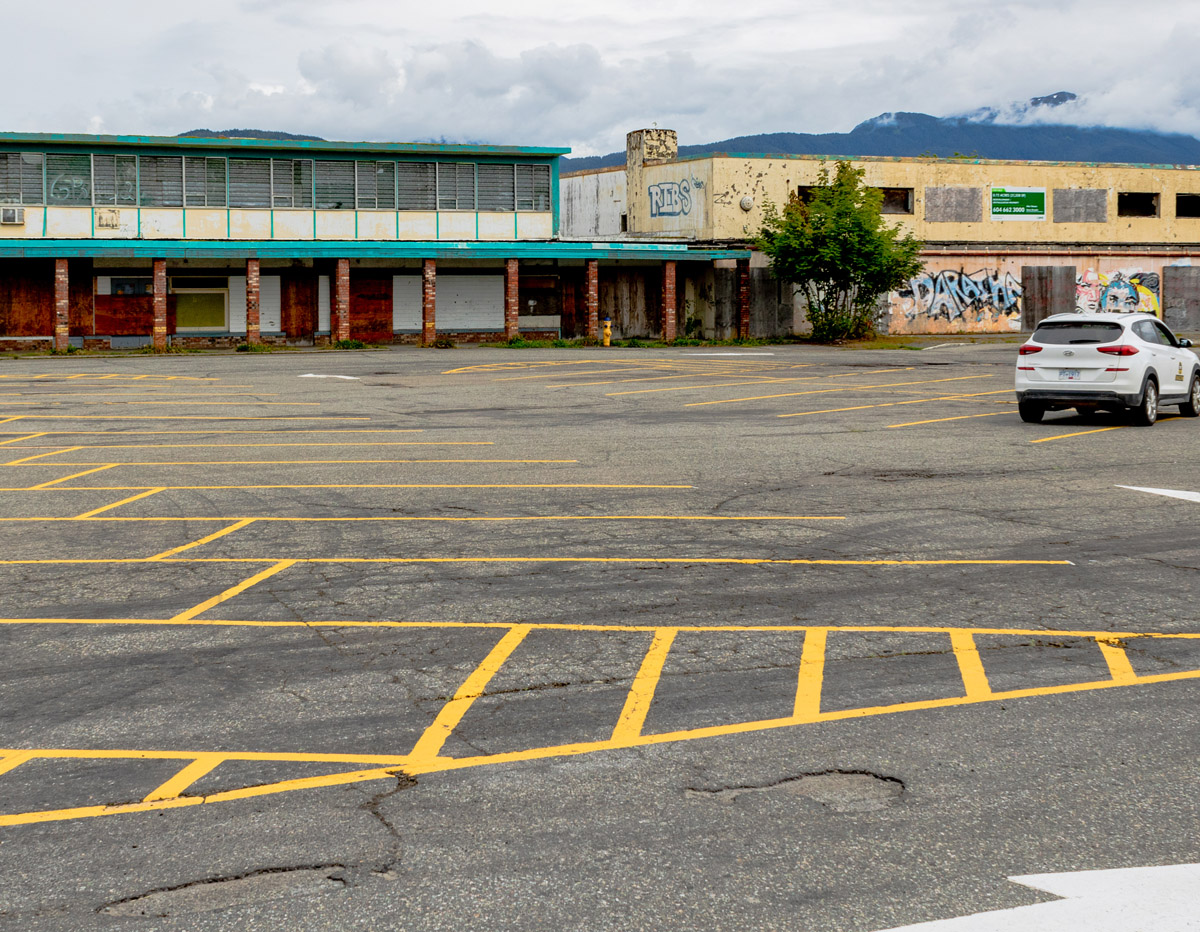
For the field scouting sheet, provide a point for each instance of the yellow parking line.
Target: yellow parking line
(9, 420)
(16, 439)
(124, 501)
(203, 540)
(11, 760)
(893, 404)
(234, 590)
(761, 381)
(201, 766)
(695, 561)
(188, 417)
(412, 462)
(729, 401)
(1098, 430)
(1118, 661)
(641, 693)
(50, 453)
(400, 485)
(348, 443)
(974, 678)
(960, 417)
(812, 672)
(429, 746)
(53, 482)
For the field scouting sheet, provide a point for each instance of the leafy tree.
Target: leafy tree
(834, 248)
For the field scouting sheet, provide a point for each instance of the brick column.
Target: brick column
(668, 302)
(339, 324)
(253, 268)
(743, 297)
(62, 305)
(160, 304)
(512, 307)
(428, 302)
(593, 298)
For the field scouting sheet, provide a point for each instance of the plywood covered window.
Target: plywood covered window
(533, 187)
(204, 182)
(292, 183)
(335, 185)
(160, 181)
(21, 178)
(376, 185)
(456, 185)
(69, 180)
(416, 186)
(249, 182)
(114, 179)
(497, 187)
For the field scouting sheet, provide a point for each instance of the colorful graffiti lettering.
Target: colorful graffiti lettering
(670, 199)
(1122, 292)
(950, 295)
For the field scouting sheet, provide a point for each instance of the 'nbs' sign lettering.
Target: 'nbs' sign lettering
(1018, 204)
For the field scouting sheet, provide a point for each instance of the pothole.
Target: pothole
(839, 790)
(222, 893)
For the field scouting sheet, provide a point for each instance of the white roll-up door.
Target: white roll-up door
(406, 302)
(323, 303)
(470, 302)
(237, 303)
(270, 304)
(103, 284)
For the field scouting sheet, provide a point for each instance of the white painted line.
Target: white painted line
(310, 375)
(1135, 899)
(1170, 493)
(728, 354)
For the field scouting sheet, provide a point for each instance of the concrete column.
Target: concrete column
(428, 302)
(160, 304)
(512, 307)
(62, 305)
(743, 298)
(253, 268)
(339, 313)
(668, 302)
(593, 298)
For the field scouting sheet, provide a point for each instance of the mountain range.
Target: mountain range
(987, 133)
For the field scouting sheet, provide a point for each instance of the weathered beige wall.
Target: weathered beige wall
(592, 204)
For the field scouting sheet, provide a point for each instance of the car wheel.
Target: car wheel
(1146, 413)
(1191, 407)
(1031, 412)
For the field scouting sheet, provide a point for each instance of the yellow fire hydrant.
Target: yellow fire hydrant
(607, 331)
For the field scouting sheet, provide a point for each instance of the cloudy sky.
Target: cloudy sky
(581, 75)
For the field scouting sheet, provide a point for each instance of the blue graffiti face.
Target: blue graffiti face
(1119, 296)
(670, 199)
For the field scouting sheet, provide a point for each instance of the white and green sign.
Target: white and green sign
(1018, 203)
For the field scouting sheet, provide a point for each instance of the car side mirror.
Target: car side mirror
(1185, 343)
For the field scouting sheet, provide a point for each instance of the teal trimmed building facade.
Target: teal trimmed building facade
(119, 241)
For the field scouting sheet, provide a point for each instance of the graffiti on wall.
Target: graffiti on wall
(670, 199)
(1122, 292)
(986, 295)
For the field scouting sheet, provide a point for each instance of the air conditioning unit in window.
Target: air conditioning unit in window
(13, 216)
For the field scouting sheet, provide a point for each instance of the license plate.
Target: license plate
(1068, 375)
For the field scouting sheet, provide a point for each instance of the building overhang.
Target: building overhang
(324, 249)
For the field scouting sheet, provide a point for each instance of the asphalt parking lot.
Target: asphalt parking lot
(713, 638)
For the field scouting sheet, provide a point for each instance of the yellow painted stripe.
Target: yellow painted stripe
(188, 417)
(760, 381)
(435, 518)
(812, 674)
(16, 439)
(729, 401)
(11, 760)
(396, 485)
(36, 456)
(700, 561)
(960, 417)
(198, 768)
(1080, 433)
(124, 501)
(562, 626)
(1117, 659)
(283, 462)
(893, 404)
(641, 693)
(237, 526)
(232, 591)
(974, 678)
(378, 760)
(9, 420)
(430, 744)
(53, 482)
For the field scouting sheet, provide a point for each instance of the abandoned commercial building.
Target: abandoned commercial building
(127, 241)
(1006, 242)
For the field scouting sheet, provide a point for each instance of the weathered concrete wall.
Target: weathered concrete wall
(592, 205)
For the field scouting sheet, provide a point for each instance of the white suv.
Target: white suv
(1106, 361)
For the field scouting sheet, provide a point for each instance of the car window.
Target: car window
(1164, 335)
(1145, 330)
(1059, 332)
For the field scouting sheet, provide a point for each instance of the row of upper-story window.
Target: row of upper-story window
(72, 180)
